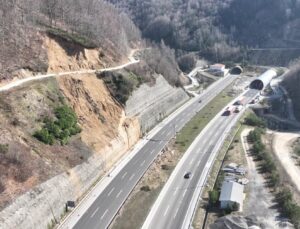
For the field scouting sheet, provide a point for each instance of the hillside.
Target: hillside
(91, 24)
(219, 30)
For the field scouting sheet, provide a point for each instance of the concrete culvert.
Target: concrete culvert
(237, 70)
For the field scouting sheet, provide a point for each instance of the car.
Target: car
(187, 175)
(200, 101)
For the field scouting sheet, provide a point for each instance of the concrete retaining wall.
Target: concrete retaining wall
(152, 103)
(35, 208)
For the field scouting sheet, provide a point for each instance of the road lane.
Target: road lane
(200, 154)
(139, 164)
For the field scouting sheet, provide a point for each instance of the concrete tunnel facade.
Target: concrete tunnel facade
(263, 80)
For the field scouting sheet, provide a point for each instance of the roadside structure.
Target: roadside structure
(232, 193)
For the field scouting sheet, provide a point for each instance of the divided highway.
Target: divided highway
(102, 211)
(175, 205)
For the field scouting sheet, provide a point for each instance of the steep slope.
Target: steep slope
(291, 84)
(221, 30)
(91, 24)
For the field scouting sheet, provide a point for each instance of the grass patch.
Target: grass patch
(192, 129)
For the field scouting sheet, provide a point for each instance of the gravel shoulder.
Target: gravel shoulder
(259, 202)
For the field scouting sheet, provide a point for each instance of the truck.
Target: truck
(229, 111)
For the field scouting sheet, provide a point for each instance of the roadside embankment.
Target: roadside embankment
(151, 104)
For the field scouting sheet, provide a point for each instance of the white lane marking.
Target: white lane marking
(143, 163)
(170, 133)
(198, 164)
(119, 194)
(163, 132)
(176, 213)
(111, 191)
(167, 210)
(132, 176)
(104, 214)
(94, 213)
(191, 162)
(124, 175)
(184, 193)
(174, 193)
(152, 152)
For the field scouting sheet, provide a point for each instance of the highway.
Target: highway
(102, 211)
(175, 205)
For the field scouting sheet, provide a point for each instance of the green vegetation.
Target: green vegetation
(3, 148)
(214, 197)
(297, 150)
(64, 126)
(121, 85)
(289, 207)
(284, 196)
(253, 120)
(192, 129)
(71, 37)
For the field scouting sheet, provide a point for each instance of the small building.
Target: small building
(232, 193)
(218, 70)
(217, 67)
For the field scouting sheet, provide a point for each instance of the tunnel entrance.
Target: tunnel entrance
(237, 70)
(257, 84)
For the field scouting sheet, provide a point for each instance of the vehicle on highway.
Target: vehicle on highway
(238, 109)
(229, 111)
(200, 101)
(241, 101)
(187, 175)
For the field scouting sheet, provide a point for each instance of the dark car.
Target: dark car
(187, 175)
(200, 101)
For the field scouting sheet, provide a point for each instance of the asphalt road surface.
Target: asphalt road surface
(173, 206)
(101, 213)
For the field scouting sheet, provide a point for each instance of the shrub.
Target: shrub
(253, 120)
(44, 136)
(60, 129)
(146, 188)
(3, 148)
(213, 197)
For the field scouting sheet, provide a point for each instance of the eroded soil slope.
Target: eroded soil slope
(24, 161)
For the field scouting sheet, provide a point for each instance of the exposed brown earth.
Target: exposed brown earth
(28, 162)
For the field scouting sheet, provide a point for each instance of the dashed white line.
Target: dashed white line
(184, 193)
(110, 191)
(166, 211)
(191, 162)
(104, 214)
(143, 163)
(124, 175)
(152, 152)
(174, 193)
(132, 176)
(94, 213)
(198, 164)
(176, 213)
(163, 132)
(119, 194)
